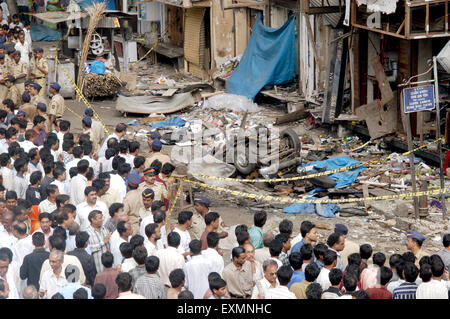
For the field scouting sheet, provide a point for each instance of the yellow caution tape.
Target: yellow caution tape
(75, 113)
(149, 51)
(174, 203)
(290, 200)
(82, 96)
(333, 171)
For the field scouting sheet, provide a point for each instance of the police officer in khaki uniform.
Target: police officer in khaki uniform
(13, 91)
(19, 70)
(41, 109)
(56, 109)
(97, 130)
(149, 181)
(36, 98)
(29, 109)
(201, 205)
(9, 55)
(3, 74)
(157, 155)
(132, 202)
(39, 69)
(86, 124)
(151, 136)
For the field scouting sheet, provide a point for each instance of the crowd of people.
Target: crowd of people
(85, 216)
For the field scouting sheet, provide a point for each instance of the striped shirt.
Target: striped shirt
(97, 246)
(406, 290)
(150, 286)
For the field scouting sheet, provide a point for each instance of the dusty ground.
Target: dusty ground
(385, 237)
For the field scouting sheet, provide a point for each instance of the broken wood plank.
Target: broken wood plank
(294, 116)
(170, 92)
(383, 83)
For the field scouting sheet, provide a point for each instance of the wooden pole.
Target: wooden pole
(407, 123)
(438, 135)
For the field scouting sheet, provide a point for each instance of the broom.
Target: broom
(95, 15)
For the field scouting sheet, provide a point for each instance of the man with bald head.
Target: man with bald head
(30, 292)
(263, 254)
(256, 265)
(7, 238)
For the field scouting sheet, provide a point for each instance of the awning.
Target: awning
(58, 16)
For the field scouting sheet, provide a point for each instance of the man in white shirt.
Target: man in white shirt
(7, 275)
(88, 153)
(153, 233)
(115, 235)
(284, 275)
(169, 258)
(77, 152)
(49, 205)
(7, 238)
(58, 243)
(91, 203)
(24, 244)
(159, 218)
(120, 131)
(211, 254)
(434, 288)
(197, 270)
(53, 280)
(79, 183)
(124, 230)
(59, 174)
(184, 223)
(269, 281)
(329, 260)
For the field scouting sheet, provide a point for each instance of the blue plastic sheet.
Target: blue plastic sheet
(98, 67)
(174, 121)
(110, 4)
(268, 59)
(40, 32)
(325, 210)
(345, 178)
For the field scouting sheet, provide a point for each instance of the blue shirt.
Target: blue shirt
(297, 276)
(298, 246)
(71, 287)
(406, 290)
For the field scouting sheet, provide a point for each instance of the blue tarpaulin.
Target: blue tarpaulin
(325, 210)
(174, 121)
(40, 32)
(345, 178)
(110, 4)
(267, 60)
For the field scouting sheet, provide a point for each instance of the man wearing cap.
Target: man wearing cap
(39, 69)
(41, 109)
(36, 98)
(149, 181)
(151, 136)
(19, 70)
(56, 109)
(350, 246)
(13, 92)
(414, 243)
(98, 132)
(133, 201)
(147, 199)
(3, 74)
(201, 205)
(86, 123)
(28, 108)
(157, 155)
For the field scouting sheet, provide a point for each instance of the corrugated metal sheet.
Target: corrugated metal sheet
(330, 18)
(195, 39)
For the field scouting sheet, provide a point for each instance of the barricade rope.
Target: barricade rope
(270, 198)
(174, 203)
(82, 96)
(333, 171)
